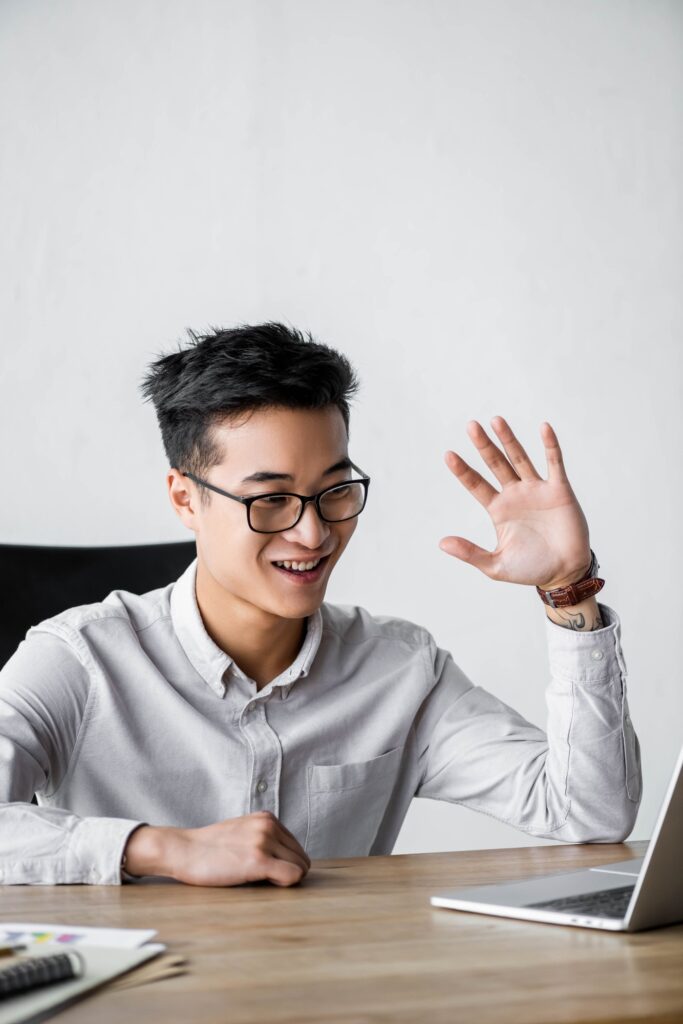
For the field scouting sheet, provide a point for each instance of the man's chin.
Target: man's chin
(298, 605)
(296, 609)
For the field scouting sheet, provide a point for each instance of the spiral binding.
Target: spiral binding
(40, 970)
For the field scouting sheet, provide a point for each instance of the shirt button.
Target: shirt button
(261, 786)
(628, 719)
(249, 708)
(597, 655)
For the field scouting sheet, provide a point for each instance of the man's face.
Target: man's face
(287, 450)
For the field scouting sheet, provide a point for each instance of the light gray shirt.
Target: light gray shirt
(126, 712)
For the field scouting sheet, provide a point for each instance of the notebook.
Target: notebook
(101, 964)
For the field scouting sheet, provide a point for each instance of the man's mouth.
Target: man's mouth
(305, 572)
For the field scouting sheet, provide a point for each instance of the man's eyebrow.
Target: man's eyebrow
(266, 476)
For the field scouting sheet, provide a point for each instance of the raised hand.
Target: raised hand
(541, 530)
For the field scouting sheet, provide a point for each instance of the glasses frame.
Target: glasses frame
(303, 498)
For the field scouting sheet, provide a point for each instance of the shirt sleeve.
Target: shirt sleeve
(45, 689)
(579, 782)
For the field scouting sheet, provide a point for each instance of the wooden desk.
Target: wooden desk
(359, 943)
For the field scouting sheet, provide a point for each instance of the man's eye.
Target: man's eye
(271, 501)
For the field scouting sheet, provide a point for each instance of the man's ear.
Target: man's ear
(184, 497)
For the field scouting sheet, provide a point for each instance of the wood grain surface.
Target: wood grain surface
(358, 942)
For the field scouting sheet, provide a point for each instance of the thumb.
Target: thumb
(466, 551)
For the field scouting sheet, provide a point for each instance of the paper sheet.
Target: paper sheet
(74, 935)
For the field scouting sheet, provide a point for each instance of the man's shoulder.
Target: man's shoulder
(136, 611)
(353, 624)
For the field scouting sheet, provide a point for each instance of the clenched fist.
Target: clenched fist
(253, 848)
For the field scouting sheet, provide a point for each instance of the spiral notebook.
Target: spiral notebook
(102, 963)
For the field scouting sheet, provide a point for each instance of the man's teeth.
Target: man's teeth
(299, 566)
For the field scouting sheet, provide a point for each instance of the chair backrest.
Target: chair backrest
(39, 582)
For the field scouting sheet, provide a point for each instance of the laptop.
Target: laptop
(628, 896)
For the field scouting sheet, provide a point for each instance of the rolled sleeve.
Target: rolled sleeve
(54, 847)
(95, 849)
(588, 672)
(578, 782)
(587, 657)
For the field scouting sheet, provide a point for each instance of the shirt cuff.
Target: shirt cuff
(95, 850)
(587, 657)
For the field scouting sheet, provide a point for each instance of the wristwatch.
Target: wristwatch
(575, 593)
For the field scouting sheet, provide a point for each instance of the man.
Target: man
(231, 726)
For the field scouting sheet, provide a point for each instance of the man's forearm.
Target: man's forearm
(583, 618)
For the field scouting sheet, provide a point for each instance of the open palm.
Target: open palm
(541, 530)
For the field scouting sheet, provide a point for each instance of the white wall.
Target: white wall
(480, 202)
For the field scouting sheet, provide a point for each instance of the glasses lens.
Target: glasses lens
(274, 512)
(342, 502)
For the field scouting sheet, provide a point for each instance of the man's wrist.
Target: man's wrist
(570, 579)
(147, 852)
(573, 594)
(582, 618)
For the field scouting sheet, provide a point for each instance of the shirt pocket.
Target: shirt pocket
(346, 804)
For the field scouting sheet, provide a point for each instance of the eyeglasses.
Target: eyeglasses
(273, 513)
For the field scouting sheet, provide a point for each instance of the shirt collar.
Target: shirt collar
(208, 659)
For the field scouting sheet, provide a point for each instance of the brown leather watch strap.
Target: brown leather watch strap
(575, 593)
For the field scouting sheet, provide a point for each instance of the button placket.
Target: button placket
(266, 756)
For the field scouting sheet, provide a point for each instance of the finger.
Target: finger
(492, 456)
(553, 454)
(283, 872)
(523, 465)
(283, 835)
(466, 551)
(291, 856)
(474, 482)
(292, 843)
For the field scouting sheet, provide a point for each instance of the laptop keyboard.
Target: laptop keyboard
(605, 903)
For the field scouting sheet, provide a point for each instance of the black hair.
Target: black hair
(236, 371)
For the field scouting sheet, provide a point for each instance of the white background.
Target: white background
(479, 202)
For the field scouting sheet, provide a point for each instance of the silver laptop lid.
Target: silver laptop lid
(658, 895)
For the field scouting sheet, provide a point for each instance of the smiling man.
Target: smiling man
(257, 587)
(232, 725)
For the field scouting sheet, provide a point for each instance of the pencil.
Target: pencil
(6, 950)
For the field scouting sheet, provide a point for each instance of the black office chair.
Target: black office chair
(39, 582)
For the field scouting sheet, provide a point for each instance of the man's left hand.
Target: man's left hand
(541, 530)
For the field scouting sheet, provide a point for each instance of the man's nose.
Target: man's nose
(311, 530)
